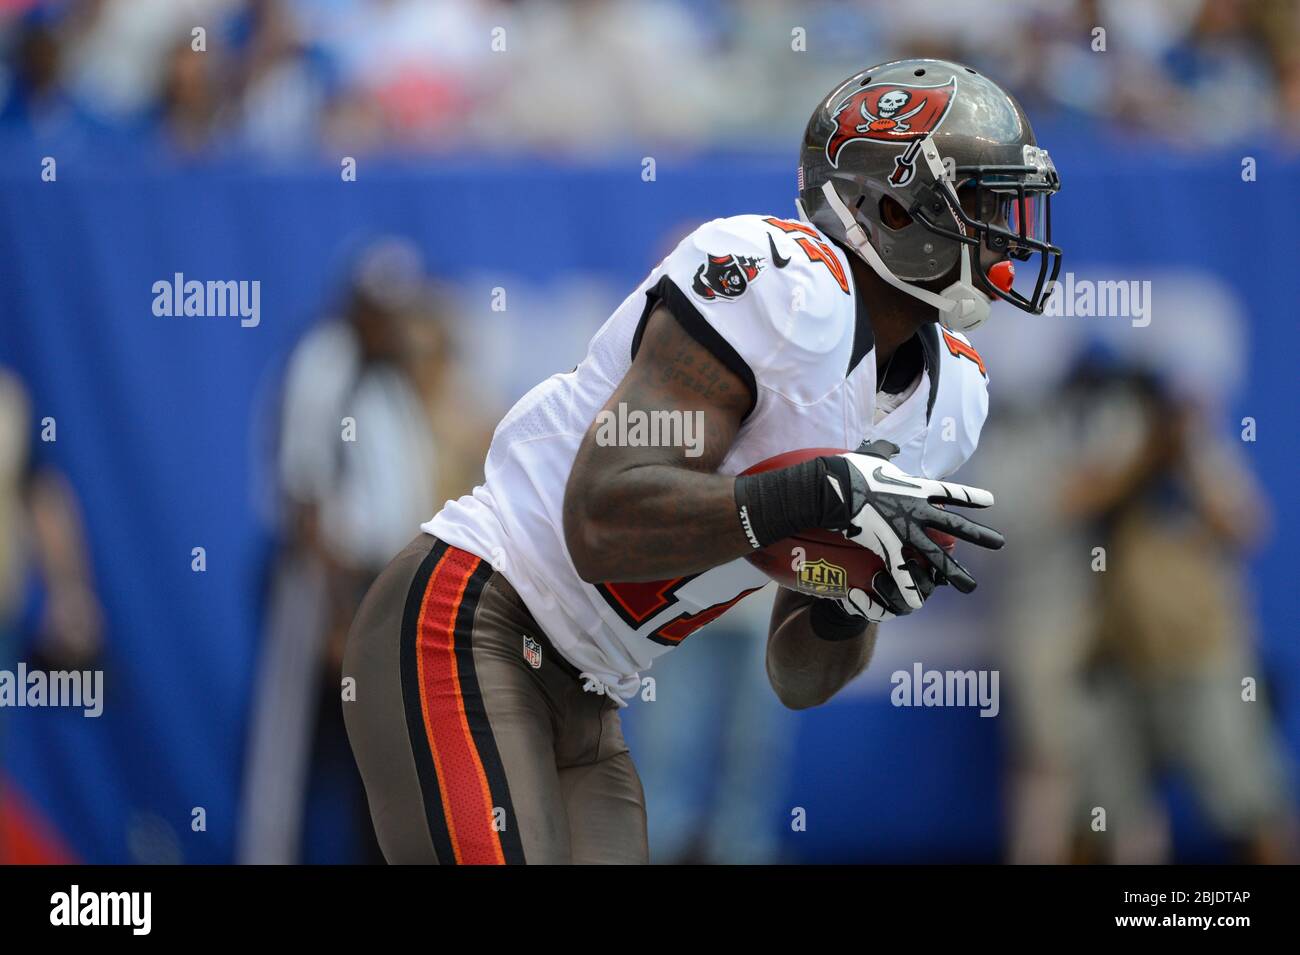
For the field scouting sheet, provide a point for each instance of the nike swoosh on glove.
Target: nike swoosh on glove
(889, 508)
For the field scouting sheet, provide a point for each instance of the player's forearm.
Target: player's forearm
(805, 669)
(652, 522)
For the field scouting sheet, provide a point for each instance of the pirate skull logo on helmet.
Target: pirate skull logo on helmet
(892, 102)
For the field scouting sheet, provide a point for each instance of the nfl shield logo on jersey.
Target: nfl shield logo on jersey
(532, 652)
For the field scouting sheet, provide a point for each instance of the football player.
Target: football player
(491, 658)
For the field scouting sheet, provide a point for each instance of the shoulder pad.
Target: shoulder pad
(777, 291)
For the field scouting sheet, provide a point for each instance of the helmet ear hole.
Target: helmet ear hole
(892, 214)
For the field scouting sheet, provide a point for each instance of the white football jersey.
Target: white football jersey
(774, 300)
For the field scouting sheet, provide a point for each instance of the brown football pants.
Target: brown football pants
(474, 738)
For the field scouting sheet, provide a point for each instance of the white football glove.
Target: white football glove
(889, 508)
(861, 603)
(884, 601)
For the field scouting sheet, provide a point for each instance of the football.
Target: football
(819, 562)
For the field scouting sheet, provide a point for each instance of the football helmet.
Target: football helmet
(922, 167)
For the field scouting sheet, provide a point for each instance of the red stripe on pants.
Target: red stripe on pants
(466, 796)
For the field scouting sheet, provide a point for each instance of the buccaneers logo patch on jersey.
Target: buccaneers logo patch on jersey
(889, 113)
(726, 276)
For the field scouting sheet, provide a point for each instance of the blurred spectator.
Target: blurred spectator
(42, 546)
(1043, 615)
(50, 615)
(190, 102)
(285, 77)
(117, 54)
(1123, 671)
(33, 93)
(1175, 509)
(283, 86)
(357, 462)
(453, 404)
(15, 422)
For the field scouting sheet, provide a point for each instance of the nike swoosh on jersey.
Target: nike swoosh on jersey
(777, 260)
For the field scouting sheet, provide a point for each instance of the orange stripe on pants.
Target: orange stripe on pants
(466, 796)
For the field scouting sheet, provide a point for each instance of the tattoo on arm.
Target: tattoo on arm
(648, 513)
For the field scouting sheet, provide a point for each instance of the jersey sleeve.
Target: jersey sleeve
(961, 403)
(761, 303)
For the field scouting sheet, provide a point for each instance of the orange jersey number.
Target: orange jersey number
(814, 248)
(959, 348)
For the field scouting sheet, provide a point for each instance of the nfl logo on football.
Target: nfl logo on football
(822, 577)
(532, 652)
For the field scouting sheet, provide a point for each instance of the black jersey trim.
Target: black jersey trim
(929, 335)
(863, 338)
(695, 325)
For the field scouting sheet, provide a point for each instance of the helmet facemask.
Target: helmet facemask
(1013, 219)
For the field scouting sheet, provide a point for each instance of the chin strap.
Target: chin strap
(961, 305)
